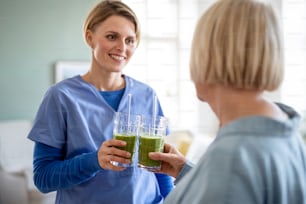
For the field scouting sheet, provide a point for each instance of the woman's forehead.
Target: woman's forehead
(117, 24)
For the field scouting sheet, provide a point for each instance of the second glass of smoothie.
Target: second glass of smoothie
(151, 139)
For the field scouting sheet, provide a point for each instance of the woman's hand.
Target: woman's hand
(172, 160)
(109, 153)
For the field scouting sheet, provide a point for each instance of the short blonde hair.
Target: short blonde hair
(238, 43)
(107, 8)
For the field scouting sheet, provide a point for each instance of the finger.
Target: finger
(167, 147)
(119, 159)
(110, 166)
(112, 150)
(166, 157)
(113, 142)
(119, 152)
(108, 163)
(154, 155)
(114, 154)
(117, 168)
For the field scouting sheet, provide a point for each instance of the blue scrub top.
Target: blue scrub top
(75, 118)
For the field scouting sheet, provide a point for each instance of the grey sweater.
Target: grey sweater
(253, 160)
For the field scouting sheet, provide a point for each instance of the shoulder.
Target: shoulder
(214, 178)
(68, 91)
(226, 171)
(69, 83)
(134, 83)
(238, 151)
(237, 159)
(67, 87)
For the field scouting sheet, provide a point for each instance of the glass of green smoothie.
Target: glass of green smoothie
(126, 128)
(151, 139)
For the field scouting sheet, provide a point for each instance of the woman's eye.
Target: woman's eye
(111, 37)
(130, 41)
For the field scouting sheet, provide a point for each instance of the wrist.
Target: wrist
(184, 170)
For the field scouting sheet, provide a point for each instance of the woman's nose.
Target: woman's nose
(120, 45)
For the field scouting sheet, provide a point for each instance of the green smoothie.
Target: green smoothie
(149, 144)
(130, 142)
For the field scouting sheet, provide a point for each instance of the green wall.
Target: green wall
(34, 35)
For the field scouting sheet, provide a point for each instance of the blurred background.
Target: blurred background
(36, 35)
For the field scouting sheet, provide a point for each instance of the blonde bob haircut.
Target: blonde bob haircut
(238, 43)
(108, 8)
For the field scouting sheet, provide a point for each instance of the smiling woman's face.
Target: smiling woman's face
(113, 43)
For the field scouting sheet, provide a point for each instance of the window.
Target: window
(293, 91)
(162, 59)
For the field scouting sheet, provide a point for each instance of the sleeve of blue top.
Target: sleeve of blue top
(52, 173)
(165, 183)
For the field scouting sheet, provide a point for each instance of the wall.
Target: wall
(34, 34)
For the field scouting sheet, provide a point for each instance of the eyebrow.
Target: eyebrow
(117, 33)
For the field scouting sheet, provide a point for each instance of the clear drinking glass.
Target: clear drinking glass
(126, 128)
(151, 139)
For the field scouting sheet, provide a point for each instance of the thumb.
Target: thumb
(161, 156)
(154, 155)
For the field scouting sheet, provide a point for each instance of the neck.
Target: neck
(230, 104)
(105, 81)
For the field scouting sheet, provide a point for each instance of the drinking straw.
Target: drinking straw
(129, 108)
(154, 110)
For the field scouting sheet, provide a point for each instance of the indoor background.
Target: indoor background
(36, 35)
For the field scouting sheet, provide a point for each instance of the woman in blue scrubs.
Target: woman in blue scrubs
(73, 127)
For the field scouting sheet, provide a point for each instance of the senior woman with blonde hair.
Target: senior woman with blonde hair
(258, 155)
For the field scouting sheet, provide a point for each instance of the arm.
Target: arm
(165, 183)
(52, 173)
(186, 168)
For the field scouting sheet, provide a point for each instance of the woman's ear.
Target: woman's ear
(89, 38)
